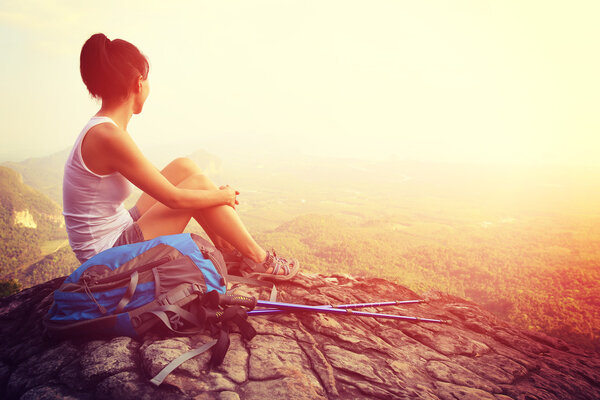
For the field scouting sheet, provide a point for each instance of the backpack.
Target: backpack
(159, 284)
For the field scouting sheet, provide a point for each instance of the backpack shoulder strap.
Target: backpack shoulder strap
(160, 377)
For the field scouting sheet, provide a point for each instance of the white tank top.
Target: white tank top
(93, 206)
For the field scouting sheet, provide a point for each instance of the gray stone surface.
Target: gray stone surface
(116, 356)
(303, 356)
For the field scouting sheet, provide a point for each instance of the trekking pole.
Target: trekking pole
(250, 303)
(330, 310)
(269, 311)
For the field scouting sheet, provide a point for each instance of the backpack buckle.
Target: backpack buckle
(175, 321)
(196, 288)
(162, 300)
(136, 321)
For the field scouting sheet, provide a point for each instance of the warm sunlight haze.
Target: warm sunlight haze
(442, 145)
(462, 81)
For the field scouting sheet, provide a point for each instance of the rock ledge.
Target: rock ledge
(304, 356)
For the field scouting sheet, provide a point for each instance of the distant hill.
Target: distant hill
(28, 219)
(43, 173)
(46, 173)
(210, 164)
(59, 263)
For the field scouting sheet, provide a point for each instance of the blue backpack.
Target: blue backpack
(160, 284)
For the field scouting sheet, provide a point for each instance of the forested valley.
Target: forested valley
(524, 243)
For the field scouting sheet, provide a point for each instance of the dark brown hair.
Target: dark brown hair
(109, 68)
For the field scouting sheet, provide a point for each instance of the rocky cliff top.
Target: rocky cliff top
(304, 356)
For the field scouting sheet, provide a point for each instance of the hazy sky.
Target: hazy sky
(459, 81)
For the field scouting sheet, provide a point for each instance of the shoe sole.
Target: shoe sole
(271, 277)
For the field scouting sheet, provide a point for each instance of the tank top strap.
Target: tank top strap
(78, 158)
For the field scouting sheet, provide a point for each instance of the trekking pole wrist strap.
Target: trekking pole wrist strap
(236, 300)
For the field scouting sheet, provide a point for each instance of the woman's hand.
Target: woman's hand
(229, 195)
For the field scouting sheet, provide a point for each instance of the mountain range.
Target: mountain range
(523, 243)
(43, 173)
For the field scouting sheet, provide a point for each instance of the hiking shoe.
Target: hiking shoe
(259, 270)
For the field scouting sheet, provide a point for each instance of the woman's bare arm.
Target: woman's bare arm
(114, 150)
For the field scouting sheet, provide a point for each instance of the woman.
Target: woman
(105, 162)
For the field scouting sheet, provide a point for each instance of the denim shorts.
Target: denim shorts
(133, 234)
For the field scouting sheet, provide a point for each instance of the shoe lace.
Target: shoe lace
(277, 262)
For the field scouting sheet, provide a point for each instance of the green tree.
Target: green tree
(8, 287)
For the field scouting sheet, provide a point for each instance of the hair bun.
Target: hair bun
(109, 67)
(98, 39)
(107, 41)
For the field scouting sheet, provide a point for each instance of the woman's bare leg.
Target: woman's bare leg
(225, 222)
(217, 240)
(221, 222)
(175, 172)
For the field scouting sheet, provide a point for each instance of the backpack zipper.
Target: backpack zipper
(127, 273)
(91, 296)
(116, 277)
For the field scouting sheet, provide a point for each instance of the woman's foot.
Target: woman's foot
(273, 267)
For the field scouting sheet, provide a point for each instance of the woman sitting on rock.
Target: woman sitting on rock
(105, 161)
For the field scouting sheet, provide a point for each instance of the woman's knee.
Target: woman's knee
(198, 181)
(184, 167)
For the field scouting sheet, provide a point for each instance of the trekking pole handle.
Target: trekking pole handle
(235, 300)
